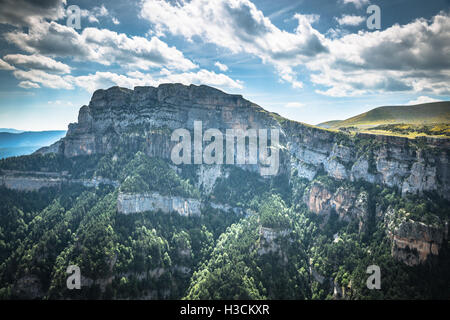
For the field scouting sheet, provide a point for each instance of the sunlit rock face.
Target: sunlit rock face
(347, 204)
(414, 242)
(144, 118)
(134, 203)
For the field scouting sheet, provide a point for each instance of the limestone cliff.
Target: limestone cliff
(347, 203)
(414, 242)
(133, 203)
(144, 118)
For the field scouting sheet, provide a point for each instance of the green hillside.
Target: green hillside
(421, 114)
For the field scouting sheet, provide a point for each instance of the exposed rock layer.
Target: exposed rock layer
(412, 165)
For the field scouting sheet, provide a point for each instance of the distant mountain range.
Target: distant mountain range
(11, 130)
(16, 143)
(421, 114)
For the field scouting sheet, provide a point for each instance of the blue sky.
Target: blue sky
(308, 60)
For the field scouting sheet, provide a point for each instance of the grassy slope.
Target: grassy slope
(437, 112)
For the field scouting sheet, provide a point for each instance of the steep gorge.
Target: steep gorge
(144, 118)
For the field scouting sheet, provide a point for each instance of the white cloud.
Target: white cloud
(99, 45)
(240, 27)
(221, 66)
(344, 65)
(47, 80)
(98, 80)
(92, 82)
(93, 19)
(26, 12)
(50, 38)
(294, 105)
(5, 65)
(101, 11)
(358, 64)
(350, 20)
(96, 12)
(203, 77)
(36, 61)
(358, 3)
(110, 47)
(339, 64)
(422, 99)
(103, 80)
(28, 85)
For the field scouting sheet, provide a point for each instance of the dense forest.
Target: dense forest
(276, 249)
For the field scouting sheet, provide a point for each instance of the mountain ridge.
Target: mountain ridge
(426, 113)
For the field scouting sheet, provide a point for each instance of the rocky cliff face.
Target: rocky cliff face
(133, 203)
(414, 242)
(347, 203)
(411, 165)
(115, 111)
(146, 116)
(33, 181)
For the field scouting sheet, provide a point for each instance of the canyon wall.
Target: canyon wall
(134, 203)
(144, 118)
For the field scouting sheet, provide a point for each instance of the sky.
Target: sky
(307, 60)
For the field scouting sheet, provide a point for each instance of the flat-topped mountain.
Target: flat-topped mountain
(144, 118)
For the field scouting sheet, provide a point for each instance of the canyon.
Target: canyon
(144, 119)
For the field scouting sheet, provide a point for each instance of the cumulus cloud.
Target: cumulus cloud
(350, 20)
(91, 82)
(5, 65)
(50, 38)
(36, 61)
(357, 3)
(349, 64)
(28, 85)
(221, 66)
(45, 79)
(411, 57)
(110, 47)
(203, 77)
(99, 45)
(24, 12)
(93, 14)
(132, 79)
(240, 27)
(422, 99)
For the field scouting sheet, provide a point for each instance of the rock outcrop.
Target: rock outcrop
(414, 242)
(146, 116)
(134, 203)
(411, 165)
(33, 181)
(268, 243)
(347, 203)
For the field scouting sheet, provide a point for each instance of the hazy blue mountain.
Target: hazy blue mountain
(10, 130)
(17, 144)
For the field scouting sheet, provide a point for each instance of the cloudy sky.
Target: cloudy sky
(308, 60)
